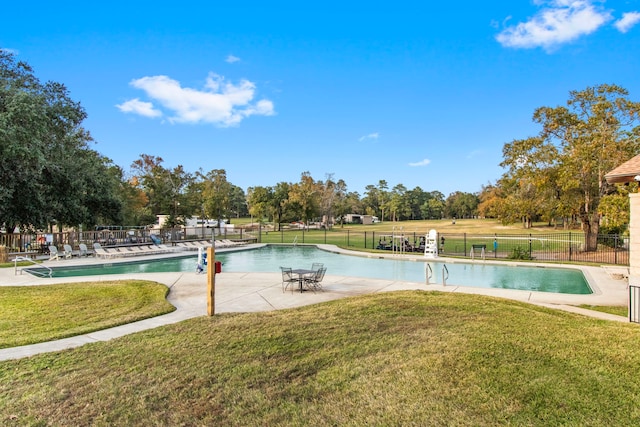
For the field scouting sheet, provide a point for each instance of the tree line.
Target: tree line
(51, 177)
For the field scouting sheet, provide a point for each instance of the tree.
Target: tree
(433, 207)
(48, 173)
(280, 206)
(614, 208)
(382, 197)
(135, 210)
(579, 143)
(398, 203)
(461, 205)
(416, 198)
(238, 202)
(217, 194)
(305, 195)
(165, 189)
(331, 194)
(259, 200)
(491, 198)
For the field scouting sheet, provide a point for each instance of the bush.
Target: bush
(519, 253)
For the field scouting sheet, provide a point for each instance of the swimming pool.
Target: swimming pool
(269, 259)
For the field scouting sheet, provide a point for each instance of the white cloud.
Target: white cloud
(139, 107)
(374, 135)
(562, 21)
(627, 21)
(231, 59)
(219, 102)
(423, 162)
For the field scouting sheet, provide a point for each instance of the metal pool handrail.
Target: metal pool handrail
(35, 272)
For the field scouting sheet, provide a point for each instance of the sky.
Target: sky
(419, 93)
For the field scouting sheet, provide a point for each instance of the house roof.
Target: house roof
(626, 172)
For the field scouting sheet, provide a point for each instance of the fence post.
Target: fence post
(348, 237)
(325, 235)
(465, 244)
(365, 240)
(530, 253)
(570, 246)
(615, 250)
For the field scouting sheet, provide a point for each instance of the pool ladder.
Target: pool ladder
(445, 270)
(429, 274)
(49, 271)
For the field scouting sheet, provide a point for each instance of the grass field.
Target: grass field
(32, 314)
(354, 234)
(405, 358)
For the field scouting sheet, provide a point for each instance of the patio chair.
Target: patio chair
(68, 251)
(317, 266)
(288, 279)
(53, 253)
(83, 250)
(314, 281)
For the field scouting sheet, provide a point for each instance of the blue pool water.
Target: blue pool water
(271, 257)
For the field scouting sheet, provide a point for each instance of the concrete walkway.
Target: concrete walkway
(253, 292)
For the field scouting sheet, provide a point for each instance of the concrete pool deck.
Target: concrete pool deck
(254, 292)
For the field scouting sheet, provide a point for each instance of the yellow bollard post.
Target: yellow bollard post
(211, 280)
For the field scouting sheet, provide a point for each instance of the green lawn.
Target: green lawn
(31, 314)
(404, 358)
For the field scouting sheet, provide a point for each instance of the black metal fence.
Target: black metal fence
(562, 246)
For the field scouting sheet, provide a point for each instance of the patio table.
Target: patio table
(302, 272)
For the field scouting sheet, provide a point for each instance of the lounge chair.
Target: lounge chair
(165, 249)
(137, 250)
(129, 251)
(149, 250)
(103, 253)
(53, 253)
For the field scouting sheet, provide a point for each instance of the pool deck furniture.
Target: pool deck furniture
(68, 251)
(53, 253)
(83, 250)
(102, 252)
(314, 281)
(302, 274)
(287, 278)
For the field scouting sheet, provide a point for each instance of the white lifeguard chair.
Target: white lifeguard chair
(431, 244)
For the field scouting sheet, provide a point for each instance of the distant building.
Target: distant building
(360, 219)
